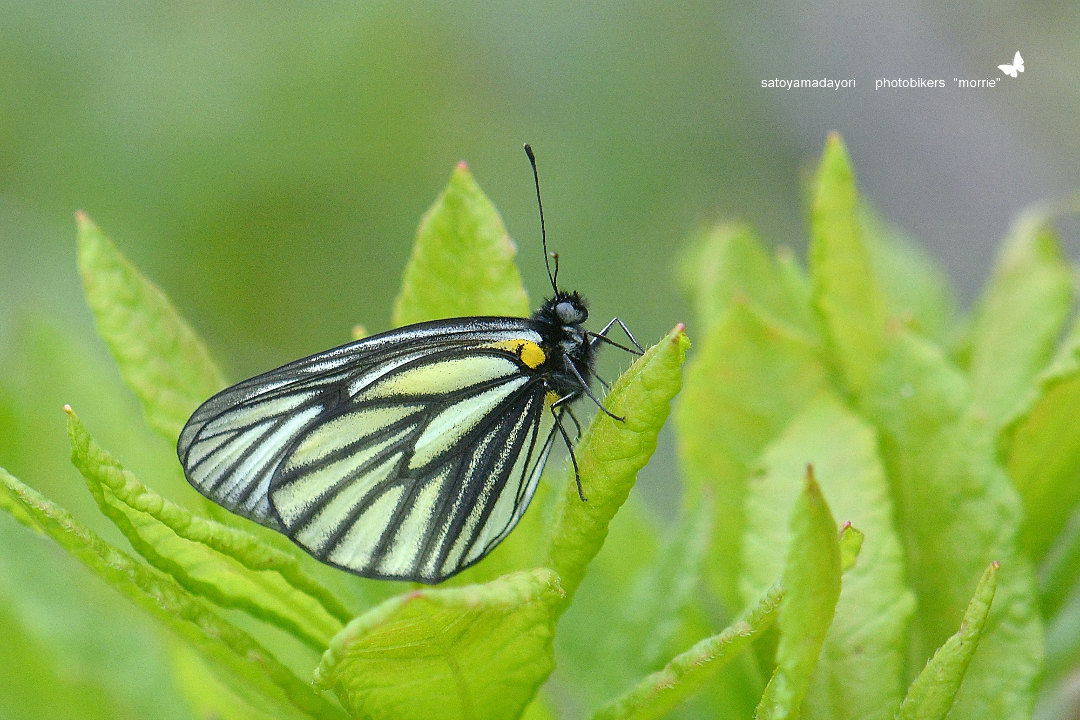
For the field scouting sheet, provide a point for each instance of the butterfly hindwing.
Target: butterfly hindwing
(406, 455)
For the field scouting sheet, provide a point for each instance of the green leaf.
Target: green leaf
(468, 652)
(863, 658)
(610, 454)
(796, 287)
(730, 264)
(851, 542)
(957, 513)
(749, 376)
(462, 262)
(931, 695)
(650, 619)
(1041, 449)
(811, 582)
(844, 288)
(10, 504)
(53, 613)
(655, 695)
(48, 680)
(1058, 574)
(1020, 317)
(539, 709)
(158, 354)
(209, 693)
(641, 627)
(225, 565)
(914, 287)
(251, 669)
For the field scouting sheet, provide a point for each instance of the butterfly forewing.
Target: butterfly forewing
(406, 455)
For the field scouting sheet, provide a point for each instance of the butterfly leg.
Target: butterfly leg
(557, 414)
(577, 425)
(595, 337)
(587, 390)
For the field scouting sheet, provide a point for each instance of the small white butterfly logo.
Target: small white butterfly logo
(1016, 67)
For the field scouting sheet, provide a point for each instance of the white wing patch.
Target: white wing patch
(451, 426)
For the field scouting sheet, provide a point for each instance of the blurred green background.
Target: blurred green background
(267, 165)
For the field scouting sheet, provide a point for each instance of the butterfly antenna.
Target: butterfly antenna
(552, 276)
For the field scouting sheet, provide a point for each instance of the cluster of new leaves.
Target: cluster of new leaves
(949, 460)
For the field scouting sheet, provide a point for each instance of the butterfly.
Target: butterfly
(1017, 66)
(410, 454)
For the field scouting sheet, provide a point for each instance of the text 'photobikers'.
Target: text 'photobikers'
(906, 83)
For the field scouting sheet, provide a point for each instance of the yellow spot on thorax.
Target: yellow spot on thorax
(530, 353)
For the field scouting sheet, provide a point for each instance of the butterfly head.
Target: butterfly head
(570, 309)
(564, 316)
(561, 321)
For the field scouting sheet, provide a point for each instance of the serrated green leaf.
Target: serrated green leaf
(1041, 449)
(11, 505)
(642, 627)
(597, 660)
(462, 262)
(958, 512)
(729, 263)
(208, 692)
(649, 617)
(53, 612)
(796, 284)
(159, 355)
(45, 684)
(252, 670)
(1058, 574)
(914, 287)
(844, 288)
(931, 695)
(539, 709)
(225, 565)
(851, 542)
(655, 695)
(811, 582)
(468, 652)
(863, 658)
(610, 454)
(1019, 318)
(749, 376)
